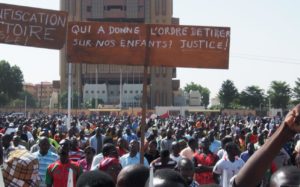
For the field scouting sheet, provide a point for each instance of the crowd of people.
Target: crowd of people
(199, 150)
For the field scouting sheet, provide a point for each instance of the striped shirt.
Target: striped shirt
(44, 162)
(77, 155)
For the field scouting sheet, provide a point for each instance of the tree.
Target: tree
(11, 82)
(280, 94)
(296, 91)
(228, 93)
(64, 100)
(30, 101)
(204, 92)
(252, 97)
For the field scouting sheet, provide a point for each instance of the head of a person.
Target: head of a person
(16, 140)
(89, 153)
(95, 178)
(167, 178)
(111, 166)
(186, 169)
(232, 150)
(98, 131)
(254, 129)
(109, 150)
(134, 147)
(250, 148)
(64, 149)
(211, 135)
(6, 140)
(226, 140)
(128, 131)
(44, 145)
(193, 144)
(169, 133)
(74, 143)
(175, 148)
(152, 146)
(205, 143)
(261, 138)
(133, 175)
(287, 176)
(122, 143)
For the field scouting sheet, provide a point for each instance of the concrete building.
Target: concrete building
(194, 98)
(160, 84)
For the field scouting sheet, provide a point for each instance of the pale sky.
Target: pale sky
(265, 43)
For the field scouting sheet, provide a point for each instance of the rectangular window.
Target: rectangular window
(157, 7)
(89, 8)
(164, 7)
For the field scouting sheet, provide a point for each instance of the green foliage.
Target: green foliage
(252, 97)
(280, 94)
(228, 94)
(11, 82)
(74, 100)
(204, 92)
(30, 101)
(296, 91)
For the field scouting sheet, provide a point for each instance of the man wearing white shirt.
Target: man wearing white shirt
(133, 157)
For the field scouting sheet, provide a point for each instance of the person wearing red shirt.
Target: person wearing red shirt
(58, 172)
(204, 162)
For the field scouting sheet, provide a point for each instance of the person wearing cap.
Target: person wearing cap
(111, 166)
(57, 174)
(204, 162)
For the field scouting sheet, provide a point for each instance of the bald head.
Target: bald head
(133, 175)
(286, 176)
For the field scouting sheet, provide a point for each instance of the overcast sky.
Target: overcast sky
(264, 43)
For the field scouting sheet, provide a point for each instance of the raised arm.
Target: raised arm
(261, 160)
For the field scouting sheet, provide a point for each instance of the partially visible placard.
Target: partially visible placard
(165, 45)
(34, 27)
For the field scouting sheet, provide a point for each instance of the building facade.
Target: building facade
(160, 79)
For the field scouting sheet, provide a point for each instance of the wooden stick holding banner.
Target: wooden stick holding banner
(144, 100)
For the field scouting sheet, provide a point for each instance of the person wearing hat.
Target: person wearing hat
(204, 162)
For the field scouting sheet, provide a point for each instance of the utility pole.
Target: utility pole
(41, 93)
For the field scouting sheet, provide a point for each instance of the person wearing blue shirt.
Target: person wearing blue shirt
(133, 157)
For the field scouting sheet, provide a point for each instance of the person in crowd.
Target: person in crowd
(7, 146)
(247, 154)
(96, 141)
(45, 158)
(109, 150)
(17, 142)
(152, 153)
(133, 175)
(75, 154)
(222, 152)
(83, 140)
(128, 136)
(111, 166)
(186, 169)
(122, 146)
(204, 161)
(164, 161)
(260, 142)
(189, 151)
(175, 152)
(95, 179)
(86, 162)
(167, 178)
(133, 157)
(58, 172)
(36, 147)
(252, 136)
(215, 145)
(229, 165)
(166, 143)
(285, 176)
